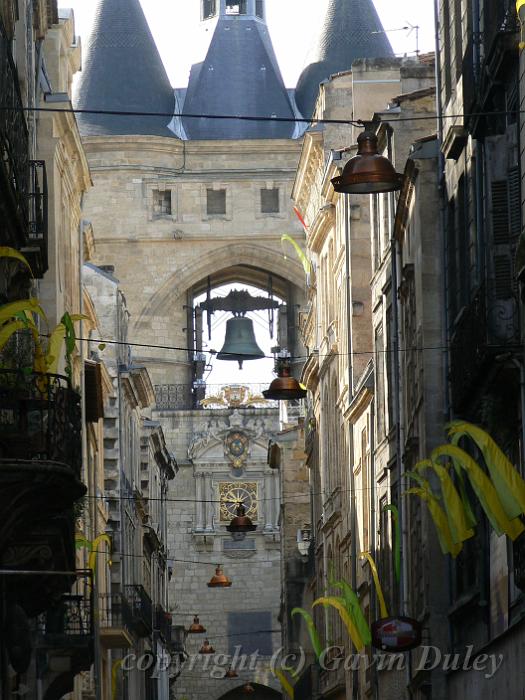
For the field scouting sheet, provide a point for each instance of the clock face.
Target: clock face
(237, 448)
(231, 494)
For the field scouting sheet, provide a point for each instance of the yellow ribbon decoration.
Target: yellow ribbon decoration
(507, 481)
(339, 605)
(285, 684)
(379, 590)
(484, 489)
(457, 520)
(115, 667)
(440, 521)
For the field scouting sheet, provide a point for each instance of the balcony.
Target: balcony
(67, 627)
(35, 249)
(115, 621)
(487, 327)
(40, 467)
(141, 610)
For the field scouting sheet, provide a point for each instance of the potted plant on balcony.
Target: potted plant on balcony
(40, 411)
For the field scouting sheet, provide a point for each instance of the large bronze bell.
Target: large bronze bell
(240, 343)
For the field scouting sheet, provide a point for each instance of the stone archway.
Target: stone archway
(233, 256)
(262, 692)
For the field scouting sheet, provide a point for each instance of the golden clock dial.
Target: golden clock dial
(231, 494)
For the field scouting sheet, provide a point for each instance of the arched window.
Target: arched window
(209, 8)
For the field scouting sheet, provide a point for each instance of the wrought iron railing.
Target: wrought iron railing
(499, 18)
(69, 623)
(14, 139)
(163, 623)
(172, 397)
(141, 610)
(114, 611)
(38, 216)
(39, 418)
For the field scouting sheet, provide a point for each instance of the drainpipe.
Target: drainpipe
(373, 543)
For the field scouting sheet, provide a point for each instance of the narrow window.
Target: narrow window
(216, 202)
(270, 201)
(259, 8)
(209, 8)
(162, 202)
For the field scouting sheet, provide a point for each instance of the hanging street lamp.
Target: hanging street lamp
(206, 648)
(284, 387)
(248, 689)
(368, 172)
(241, 523)
(196, 627)
(230, 674)
(219, 580)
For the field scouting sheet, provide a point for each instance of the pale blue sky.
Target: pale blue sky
(293, 24)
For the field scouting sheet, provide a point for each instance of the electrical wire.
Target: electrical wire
(237, 117)
(292, 358)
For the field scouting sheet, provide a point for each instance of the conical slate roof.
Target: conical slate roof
(240, 75)
(347, 34)
(123, 71)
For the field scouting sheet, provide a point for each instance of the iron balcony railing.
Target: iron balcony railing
(36, 250)
(141, 610)
(68, 624)
(40, 419)
(115, 611)
(14, 150)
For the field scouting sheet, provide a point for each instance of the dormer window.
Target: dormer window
(236, 8)
(209, 9)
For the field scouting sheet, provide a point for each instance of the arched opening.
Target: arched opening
(262, 692)
(271, 307)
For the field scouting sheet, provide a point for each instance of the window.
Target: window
(209, 8)
(162, 202)
(270, 201)
(259, 8)
(236, 8)
(216, 202)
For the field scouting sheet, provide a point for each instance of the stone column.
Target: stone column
(208, 506)
(268, 503)
(276, 503)
(199, 506)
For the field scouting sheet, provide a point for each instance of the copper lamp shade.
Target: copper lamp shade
(231, 673)
(248, 689)
(284, 387)
(196, 627)
(206, 648)
(368, 172)
(241, 522)
(219, 580)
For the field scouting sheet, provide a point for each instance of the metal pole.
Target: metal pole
(3, 653)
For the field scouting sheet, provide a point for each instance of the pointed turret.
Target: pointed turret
(351, 29)
(240, 75)
(123, 72)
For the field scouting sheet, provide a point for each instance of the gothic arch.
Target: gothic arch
(262, 692)
(224, 258)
